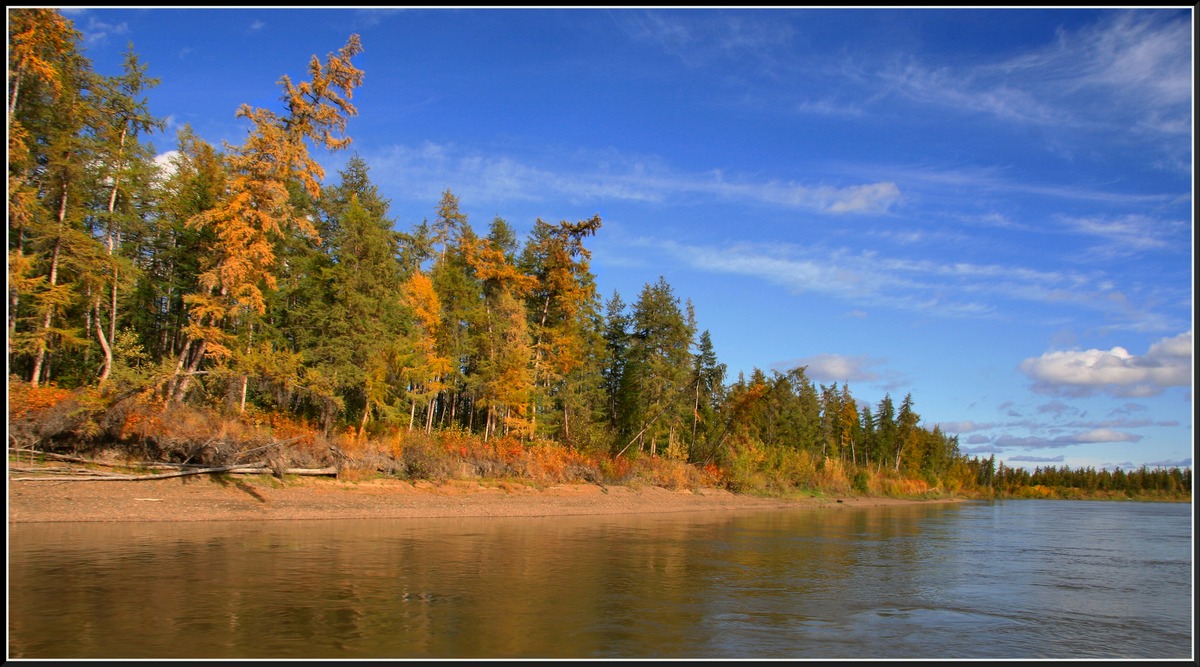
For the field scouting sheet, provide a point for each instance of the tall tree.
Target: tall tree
(42, 45)
(502, 373)
(257, 210)
(658, 373)
(459, 293)
(616, 346)
(708, 381)
(848, 424)
(52, 110)
(425, 369)
(885, 431)
(170, 266)
(125, 166)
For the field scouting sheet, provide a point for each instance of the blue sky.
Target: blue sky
(990, 209)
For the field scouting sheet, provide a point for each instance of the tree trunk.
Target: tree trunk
(108, 353)
(362, 425)
(186, 381)
(40, 359)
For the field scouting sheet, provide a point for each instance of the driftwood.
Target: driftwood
(180, 469)
(242, 468)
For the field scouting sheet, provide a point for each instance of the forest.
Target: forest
(238, 300)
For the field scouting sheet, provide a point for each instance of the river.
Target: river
(1013, 579)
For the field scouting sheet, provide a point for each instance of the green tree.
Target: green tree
(658, 372)
(709, 387)
(459, 293)
(125, 170)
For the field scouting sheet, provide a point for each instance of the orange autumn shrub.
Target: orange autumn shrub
(26, 401)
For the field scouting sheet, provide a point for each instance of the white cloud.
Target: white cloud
(427, 169)
(837, 368)
(1167, 363)
(166, 163)
(964, 426)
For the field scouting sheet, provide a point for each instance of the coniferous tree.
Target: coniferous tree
(616, 346)
(708, 381)
(908, 437)
(257, 208)
(171, 251)
(53, 110)
(42, 73)
(849, 424)
(564, 325)
(502, 376)
(459, 294)
(125, 171)
(885, 431)
(658, 371)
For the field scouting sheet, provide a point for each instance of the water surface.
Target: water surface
(1013, 579)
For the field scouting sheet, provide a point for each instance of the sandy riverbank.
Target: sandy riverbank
(205, 498)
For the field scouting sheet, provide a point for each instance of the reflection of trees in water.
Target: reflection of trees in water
(552, 587)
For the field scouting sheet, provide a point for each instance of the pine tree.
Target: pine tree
(908, 436)
(616, 345)
(708, 381)
(659, 369)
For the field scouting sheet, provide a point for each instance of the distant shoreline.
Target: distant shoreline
(267, 499)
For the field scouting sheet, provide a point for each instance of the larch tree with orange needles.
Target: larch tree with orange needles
(256, 209)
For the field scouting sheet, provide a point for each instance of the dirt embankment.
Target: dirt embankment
(207, 498)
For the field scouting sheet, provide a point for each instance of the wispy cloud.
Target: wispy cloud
(1094, 436)
(428, 169)
(369, 18)
(1168, 363)
(1132, 66)
(1127, 235)
(96, 32)
(957, 289)
(699, 39)
(967, 426)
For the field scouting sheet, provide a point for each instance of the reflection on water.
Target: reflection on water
(1018, 579)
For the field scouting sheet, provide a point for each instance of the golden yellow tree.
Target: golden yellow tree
(425, 369)
(256, 209)
(563, 292)
(49, 113)
(505, 376)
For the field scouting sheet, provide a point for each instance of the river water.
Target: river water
(1009, 579)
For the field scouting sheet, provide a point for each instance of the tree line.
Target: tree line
(237, 278)
(1089, 482)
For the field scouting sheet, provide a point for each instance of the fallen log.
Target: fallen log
(243, 468)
